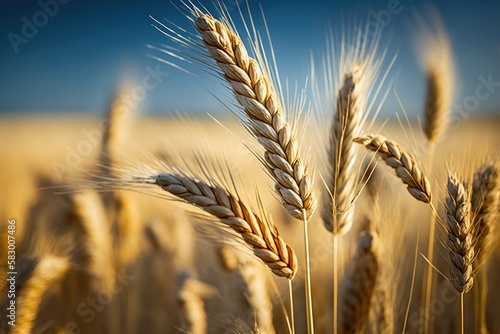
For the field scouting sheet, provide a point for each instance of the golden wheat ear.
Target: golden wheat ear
(190, 296)
(257, 230)
(96, 239)
(437, 59)
(359, 287)
(485, 202)
(352, 77)
(265, 115)
(45, 272)
(402, 162)
(260, 107)
(459, 241)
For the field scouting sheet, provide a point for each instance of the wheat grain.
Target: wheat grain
(266, 117)
(459, 235)
(402, 162)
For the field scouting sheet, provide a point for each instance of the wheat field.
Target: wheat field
(267, 222)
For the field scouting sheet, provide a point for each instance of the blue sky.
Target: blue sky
(75, 60)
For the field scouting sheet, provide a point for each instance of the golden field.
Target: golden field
(151, 258)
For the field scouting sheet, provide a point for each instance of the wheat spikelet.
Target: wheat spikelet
(47, 271)
(459, 235)
(438, 61)
(359, 285)
(266, 117)
(485, 201)
(258, 232)
(338, 212)
(402, 162)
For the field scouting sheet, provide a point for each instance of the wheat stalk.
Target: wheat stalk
(338, 212)
(402, 162)
(47, 271)
(459, 235)
(359, 285)
(258, 232)
(266, 117)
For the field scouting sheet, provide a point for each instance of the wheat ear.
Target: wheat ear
(266, 117)
(439, 66)
(96, 239)
(459, 235)
(360, 285)
(258, 232)
(485, 202)
(338, 210)
(190, 295)
(47, 271)
(114, 129)
(402, 162)
(256, 293)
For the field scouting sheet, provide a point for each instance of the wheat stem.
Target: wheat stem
(427, 286)
(462, 320)
(309, 307)
(335, 283)
(292, 315)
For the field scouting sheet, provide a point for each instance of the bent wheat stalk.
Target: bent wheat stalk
(402, 162)
(258, 232)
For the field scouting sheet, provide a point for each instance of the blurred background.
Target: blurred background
(71, 69)
(70, 57)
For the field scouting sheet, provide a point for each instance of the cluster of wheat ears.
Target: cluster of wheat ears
(362, 298)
